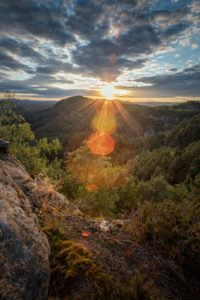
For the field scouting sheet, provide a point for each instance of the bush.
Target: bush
(135, 192)
(172, 228)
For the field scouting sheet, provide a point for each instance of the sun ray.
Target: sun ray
(83, 107)
(130, 121)
(104, 120)
(88, 112)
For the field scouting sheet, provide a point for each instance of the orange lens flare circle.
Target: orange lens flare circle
(85, 234)
(101, 143)
(92, 187)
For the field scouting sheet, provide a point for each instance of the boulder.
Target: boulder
(24, 248)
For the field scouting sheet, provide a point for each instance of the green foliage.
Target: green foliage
(95, 203)
(35, 155)
(136, 191)
(185, 133)
(185, 163)
(7, 115)
(155, 162)
(49, 150)
(90, 168)
(163, 195)
(172, 228)
(172, 163)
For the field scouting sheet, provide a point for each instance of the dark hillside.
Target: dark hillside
(73, 115)
(65, 118)
(186, 132)
(29, 108)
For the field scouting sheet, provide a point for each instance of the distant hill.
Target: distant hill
(155, 103)
(71, 118)
(29, 107)
(36, 102)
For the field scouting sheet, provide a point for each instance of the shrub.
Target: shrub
(172, 228)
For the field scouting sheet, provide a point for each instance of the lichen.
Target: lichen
(69, 261)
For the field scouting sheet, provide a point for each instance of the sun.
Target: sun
(108, 91)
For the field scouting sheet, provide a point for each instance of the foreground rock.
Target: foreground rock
(24, 249)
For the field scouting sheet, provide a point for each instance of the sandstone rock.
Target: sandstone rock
(24, 249)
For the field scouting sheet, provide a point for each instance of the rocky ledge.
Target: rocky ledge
(24, 248)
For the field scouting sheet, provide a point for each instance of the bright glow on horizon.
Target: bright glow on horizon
(109, 91)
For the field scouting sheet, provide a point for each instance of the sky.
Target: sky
(146, 49)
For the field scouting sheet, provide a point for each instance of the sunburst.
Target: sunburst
(108, 91)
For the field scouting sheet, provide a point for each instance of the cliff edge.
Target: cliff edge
(24, 248)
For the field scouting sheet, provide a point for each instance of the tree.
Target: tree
(90, 168)
(35, 155)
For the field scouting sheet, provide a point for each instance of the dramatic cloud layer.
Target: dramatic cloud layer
(54, 48)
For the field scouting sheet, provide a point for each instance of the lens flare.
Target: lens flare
(89, 163)
(111, 106)
(117, 30)
(92, 187)
(101, 143)
(113, 58)
(85, 234)
(104, 122)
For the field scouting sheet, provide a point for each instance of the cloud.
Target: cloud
(87, 19)
(38, 18)
(95, 56)
(169, 17)
(96, 59)
(173, 31)
(138, 41)
(51, 42)
(194, 46)
(19, 48)
(183, 83)
(53, 66)
(195, 7)
(40, 84)
(8, 62)
(173, 70)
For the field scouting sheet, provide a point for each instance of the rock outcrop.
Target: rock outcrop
(24, 248)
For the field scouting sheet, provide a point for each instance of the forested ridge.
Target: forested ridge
(152, 179)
